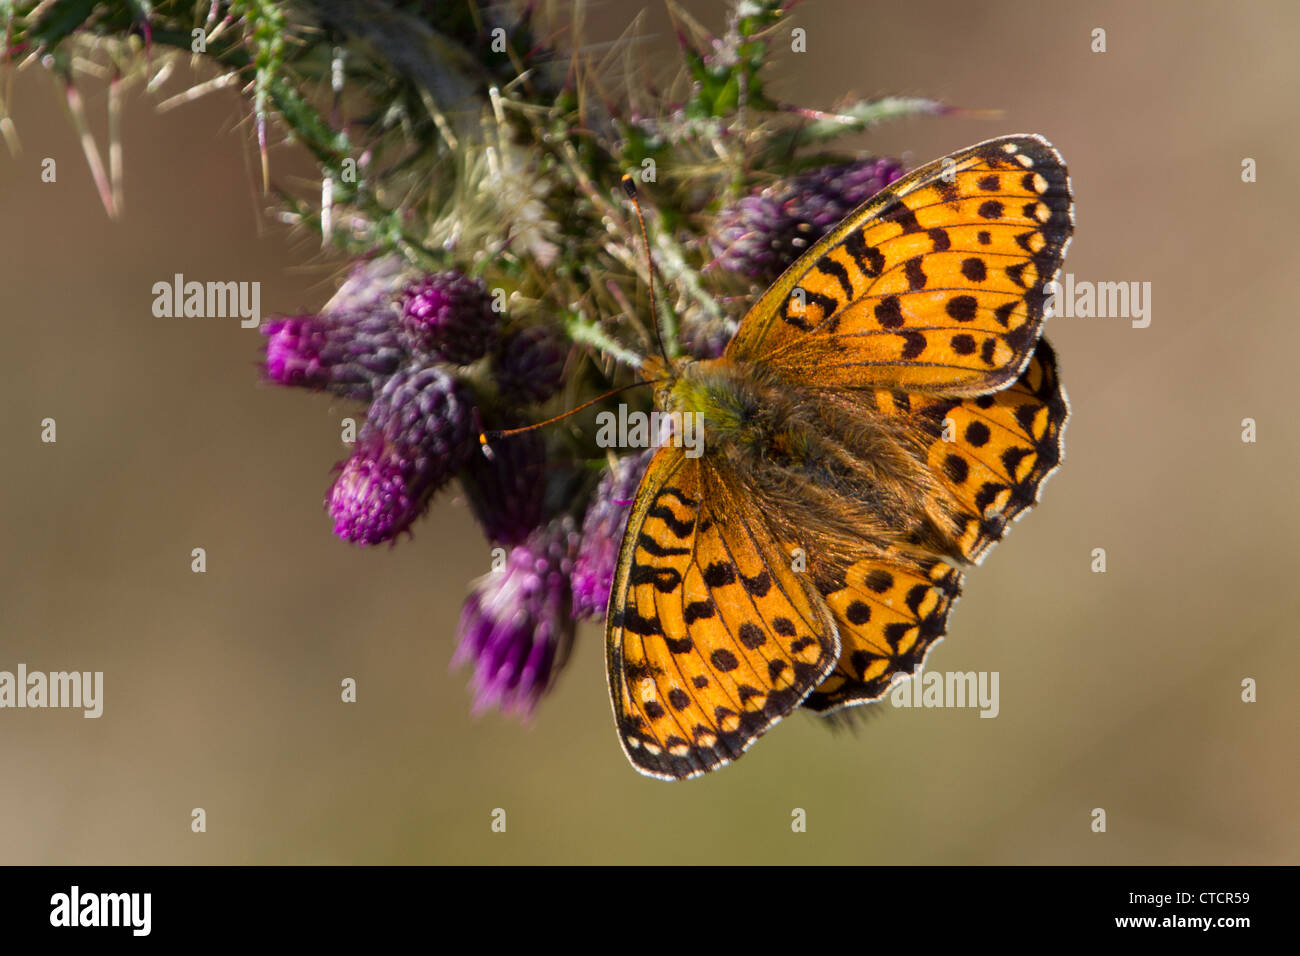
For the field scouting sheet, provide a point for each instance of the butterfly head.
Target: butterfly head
(718, 393)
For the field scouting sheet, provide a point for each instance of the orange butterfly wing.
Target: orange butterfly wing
(711, 638)
(934, 285)
(889, 610)
(999, 450)
(993, 454)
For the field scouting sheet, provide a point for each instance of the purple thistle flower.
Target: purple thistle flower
(416, 436)
(506, 491)
(448, 317)
(353, 345)
(347, 353)
(516, 626)
(602, 533)
(529, 365)
(763, 233)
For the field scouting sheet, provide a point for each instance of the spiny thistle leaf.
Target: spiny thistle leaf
(854, 118)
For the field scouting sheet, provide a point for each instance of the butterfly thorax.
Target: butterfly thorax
(733, 400)
(833, 470)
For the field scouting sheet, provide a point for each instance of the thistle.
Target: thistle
(763, 233)
(448, 317)
(529, 365)
(517, 624)
(349, 354)
(469, 171)
(507, 491)
(416, 437)
(602, 530)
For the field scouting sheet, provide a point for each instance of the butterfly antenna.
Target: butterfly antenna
(485, 438)
(629, 187)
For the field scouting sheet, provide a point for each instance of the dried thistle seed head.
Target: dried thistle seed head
(516, 626)
(416, 436)
(448, 317)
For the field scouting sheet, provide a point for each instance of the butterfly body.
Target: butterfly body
(883, 413)
(836, 470)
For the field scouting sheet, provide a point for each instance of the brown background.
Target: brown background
(1118, 690)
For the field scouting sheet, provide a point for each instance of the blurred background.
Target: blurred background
(1119, 691)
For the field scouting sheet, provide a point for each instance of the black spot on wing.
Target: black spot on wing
(858, 612)
(678, 527)
(903, 216)
(889, 313)
(751, 635)
(634, 623)
(720, 574)
(651, 546)
(879, 580)
(758, 585)
(962, 307)
(869, 259)
(723, 660)
(913, 344)
(665, 580)
(836, 270)
(698, 611)
(914, 274)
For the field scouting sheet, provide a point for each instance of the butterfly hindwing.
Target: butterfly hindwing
(935, 285)
(711, 637)
(889, 610)
(991, 454)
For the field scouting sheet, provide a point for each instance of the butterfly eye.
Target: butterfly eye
(663, 397)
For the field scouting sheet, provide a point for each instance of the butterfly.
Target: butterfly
(880, 416)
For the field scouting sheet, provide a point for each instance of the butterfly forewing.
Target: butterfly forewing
(711, 637)
(937, 284)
